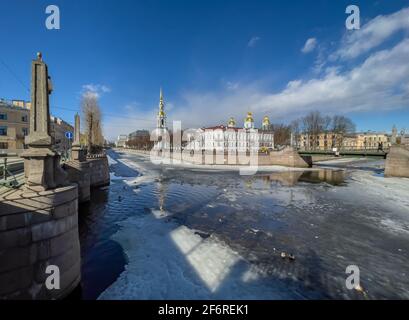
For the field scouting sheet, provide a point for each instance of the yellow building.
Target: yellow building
(372, 140)
(14, 125)
(322, 141)
(359, 141)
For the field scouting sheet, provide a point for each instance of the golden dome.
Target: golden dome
(249, 117)
(266, 120)
(232, 122)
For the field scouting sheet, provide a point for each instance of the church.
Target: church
(219, 138)
(232, 138)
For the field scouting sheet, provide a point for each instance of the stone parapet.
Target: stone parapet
(99, 171)
(38, 229)
(79, 173)
(289, 157)
(397, 162)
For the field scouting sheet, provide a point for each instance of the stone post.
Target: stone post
(41, 163)
(78, 169)
(39, 222)
(77, 153)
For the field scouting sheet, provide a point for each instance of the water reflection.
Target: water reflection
(291, 178)
(102, 259)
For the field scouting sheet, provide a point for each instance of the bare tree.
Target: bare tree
(341, 126)
(92, 116)
(282, 134)
(295, 131)
(314, 124)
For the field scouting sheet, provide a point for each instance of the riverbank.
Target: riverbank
(179, 164)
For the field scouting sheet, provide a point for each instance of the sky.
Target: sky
(214, 59)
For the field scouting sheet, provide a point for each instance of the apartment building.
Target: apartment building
(15, 123)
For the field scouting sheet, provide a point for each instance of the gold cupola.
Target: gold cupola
(266, 125)
(249, 121)
(266, 121)
(231, 123)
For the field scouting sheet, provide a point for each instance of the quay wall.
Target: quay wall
(397, 162)
(287, 157)
(99, 171)
(79, 173)
(38, 229)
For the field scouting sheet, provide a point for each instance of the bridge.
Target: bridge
(39, 198)
(360, 153)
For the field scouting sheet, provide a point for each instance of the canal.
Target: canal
(163, 233)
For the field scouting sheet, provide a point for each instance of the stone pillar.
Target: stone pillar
(77, 153)
(397, 162)
(78, 169)
(42, 164)
(39, 222)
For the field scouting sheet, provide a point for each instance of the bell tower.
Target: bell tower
(161, 118)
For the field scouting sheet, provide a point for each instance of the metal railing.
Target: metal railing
(11, 170)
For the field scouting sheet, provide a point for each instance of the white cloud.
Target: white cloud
(372, 34)
(253, 41)
(132, 106)
(232, 85)
(309, 45)
(129, 120)
(95, 90)
(379, 83)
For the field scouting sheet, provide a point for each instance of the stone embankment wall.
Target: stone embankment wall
(397, 162)
(38, 229)
(287, 157)
(79, 173)
(94, 172)
(99, 171)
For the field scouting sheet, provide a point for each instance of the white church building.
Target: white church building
(232, 138)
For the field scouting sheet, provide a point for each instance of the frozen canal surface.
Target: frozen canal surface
(182, 234)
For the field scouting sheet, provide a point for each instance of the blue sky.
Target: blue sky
(214, 59)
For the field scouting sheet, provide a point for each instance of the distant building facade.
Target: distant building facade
(140, 139)
(15, 123)
(372, 140)
(231, 137)
(138, 133)
(321, 141)
(358, 141)
(58, 130)
(121, 141)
